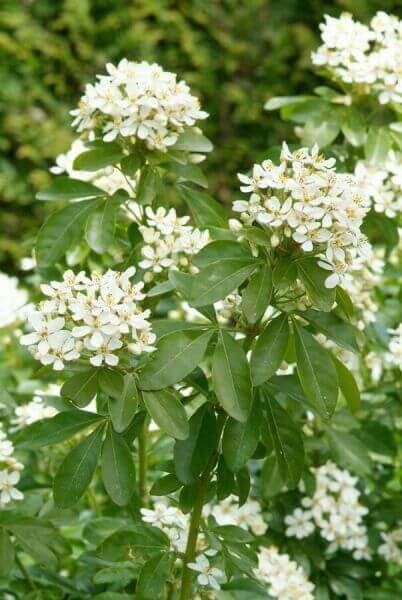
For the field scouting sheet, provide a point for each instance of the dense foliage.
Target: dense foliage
(203, 401)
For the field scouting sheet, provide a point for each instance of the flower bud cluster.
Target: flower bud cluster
(94, 317)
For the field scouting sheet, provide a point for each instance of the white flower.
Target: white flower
(300, 524)
(8, 491)
(104, 352)
(44, 328)
(61, 348)
(208, 575)
(284, 577)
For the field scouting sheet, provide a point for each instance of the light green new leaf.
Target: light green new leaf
(117, 468)
(313, 278)
(177, 355)
(231, 377)
(322, 127)
(64, 188)
(101, 227)
(241, 439)
(192, 454)
(148, 186)
(269, 350)
(285, 439)
(81, 388)
(56, 429)
(104, 155)
(122, 407)
(317, 373)
(153, 576)
(77, 469)
(167, 412)
(377, 146)
(60, 230)
(354, 126)
(348, 385)
(191, 141)
(257, 295)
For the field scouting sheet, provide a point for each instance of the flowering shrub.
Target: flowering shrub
(228, 417)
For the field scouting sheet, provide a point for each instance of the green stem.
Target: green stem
(142, 459)
(196, 514)
(25, 573)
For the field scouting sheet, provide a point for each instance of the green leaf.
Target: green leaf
(60, 230)
(217, 280)
(257, 295)
(354, 126)
(192, 454)
(136, 542)
(286, 440)
(205, 210)
(231, 377)
(77, 469)
(111, 382)
(241, 439)
(148, 186)
(243, 485)
(167, 412)
(316, 372)
(270, 349)
(153, 576)
(117, 468)
(64, 188)
(344, 303)
(322, 127)
(284, 273)
(272, 481)
(101, 227)
(81, 388)
(377, 145)
(349, 451)
(218, 251)
(104, 155)
(378, 438)
(122, 408)
(224, 480)
(233, 533)
(178, 354)
(189, 172)
(56, 429)
(313, 278)
(160, 288)
(348, 385)
(191, 141)
(165, 485)
(6, 553)
(279, 101)
(37, 538)
(333, 327)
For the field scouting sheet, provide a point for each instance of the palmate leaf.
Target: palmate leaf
(178, 354)
(77, 469)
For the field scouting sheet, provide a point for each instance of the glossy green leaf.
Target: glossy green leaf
(192, 454)
(286, 441)
(117, 468)
(64, 188)
(167, 412)
(77, 469)
(81, 388)
(123, 407)
(284, 273)
(165, 485)
(101, 227)
(348, 385)
(60, 230)
(241, 439)
(6, 553)
(272, 481)
(111, 382)
(178, 353)
(270, 349)
(148, 186)
(205, 210)
(192, 141)
(231, 377)
(313, 278)
(316, 372)
(105, 154)
(218, 251)
(136, 541)
(61, 427)
(153, 576)
(322, 127)
(349, 451)
(354, 126)
(257, 295)
(333, 327)
(377, 146)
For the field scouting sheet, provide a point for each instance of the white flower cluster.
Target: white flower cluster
(139, 101)
(368, 57)
(394, 354)
(12, 299)
(36, 410)
(335, 510)
(248, 516)
(391, 548)
(285, 578)
(109, 179)
(304, 202)
(169, 242)
(9, 472)
(93, 317)
(383, 184)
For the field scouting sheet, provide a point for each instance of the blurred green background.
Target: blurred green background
(234, 54)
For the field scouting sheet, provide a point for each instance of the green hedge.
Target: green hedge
(233, 53)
